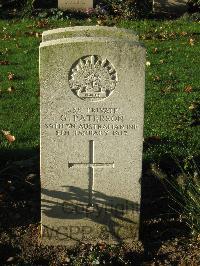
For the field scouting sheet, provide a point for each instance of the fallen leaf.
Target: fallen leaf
(5, 51)
(167, 89)
(183, 33)
(191, 41)
(155, 50)
(156, 78)
(172, 34)
(6, 37)
(67, 260)
(11, 76)
(188, 89)
(99, 22)
(42, 24)
(8, 136)
(10, 259)
(4, 63)
(38, 35)
(11, 89)
(102, 246)
(193, 106)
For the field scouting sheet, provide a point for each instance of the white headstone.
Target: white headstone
(92, 108)
(75, 4)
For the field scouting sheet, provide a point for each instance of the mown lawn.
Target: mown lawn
(172, 104)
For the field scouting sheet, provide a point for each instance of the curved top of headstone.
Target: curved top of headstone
(89, 31)
(88, 40)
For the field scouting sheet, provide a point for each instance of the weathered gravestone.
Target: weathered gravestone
(170, 6)
(75, 4)
(92, 97)
(89, 31)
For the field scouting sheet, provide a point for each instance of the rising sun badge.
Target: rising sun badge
(92, 78)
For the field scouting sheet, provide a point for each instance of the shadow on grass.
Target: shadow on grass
(160, 219)
(19, 188)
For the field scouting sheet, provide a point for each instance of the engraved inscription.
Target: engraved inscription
(92, 78)
(75, 2)
(100, 121)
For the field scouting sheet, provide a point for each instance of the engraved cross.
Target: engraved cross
(91, 165)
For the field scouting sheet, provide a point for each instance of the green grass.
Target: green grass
(184, 190)
(174, 67)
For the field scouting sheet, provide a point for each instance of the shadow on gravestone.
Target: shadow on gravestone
(107, 210)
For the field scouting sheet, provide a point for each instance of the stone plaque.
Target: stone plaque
(75, 4)
(170, 6)
(92, 98)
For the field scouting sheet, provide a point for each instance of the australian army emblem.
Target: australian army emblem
(92, 78)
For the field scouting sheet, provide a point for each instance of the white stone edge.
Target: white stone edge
(89, 39)
(83, 28)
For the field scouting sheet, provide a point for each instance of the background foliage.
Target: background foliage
(123, 9)
(194, 5)
(120, 8)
